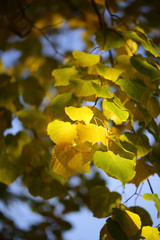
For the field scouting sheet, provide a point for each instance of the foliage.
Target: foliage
(98, 113)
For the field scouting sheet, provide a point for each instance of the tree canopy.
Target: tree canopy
(81, 78)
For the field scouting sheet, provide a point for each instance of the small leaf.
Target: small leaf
(137, 143)
(150, 233)
(144, 215)
(85, 59)
(109, 38)
(102, 201)
(114, 112)
(80, 114)
(102, 91)
(69, 160)
(145, 68)
(130, 87)
(115, 166)
(91, 133)
(62, 133)
(129, 222)
(153, 197)
(83, 88)
(33, 92)
(108, 72)
(63, 75)
(141, 176)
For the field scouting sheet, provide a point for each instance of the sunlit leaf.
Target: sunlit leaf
(114, 112)
(62, 132)
(145, 68)
(144, 215)
(153, 197)
(115, 166)
(141, 176)
(102, 201)
(129, 222)
(80, 114)
(131, 86)
(148, 46)
(70, 160)
(102, 91)
(150, 233)
(84, 88)
(108, 72)
(85, 59)
(91, 133)
(63, 75)
(137, 143)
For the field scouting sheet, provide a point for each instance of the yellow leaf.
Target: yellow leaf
(62, 133)
(150, 233)
(111, 74)
(69, 160)
(81, 114)
(85, 59)
(91, 133)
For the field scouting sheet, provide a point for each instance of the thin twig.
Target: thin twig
(150, 186)
(110, 13)
(98, 14)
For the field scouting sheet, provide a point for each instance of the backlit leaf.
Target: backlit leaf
(129, 222)
(109, 38)
(63, 75)
(62, 133)
(69, 160)
(137, 143)
(130, 87)
(145, 68)
(150, 233)
(102, 201)
(91, 133)
(80, 114)
(144, 215)
(114, 113)
(84, 88)
(115, 166)
(153, 197)
(108, 72)
(142, 175)
(85, 59)
(102, 91)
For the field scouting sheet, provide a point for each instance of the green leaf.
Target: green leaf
(108, 72)
(137, 143)
(109, 38)
(153, 197)
(114, 112)
(145, 43)
(115, 166)
(63, 75)
(34, 119)
(16, 143)
(102, 91)
(83, 88)
(145, 68)
(8, 93)
(33, 92)
(85, 59)
(102, 201)
(40, 183)
(130, 87)
(58, 104)
(150, 233)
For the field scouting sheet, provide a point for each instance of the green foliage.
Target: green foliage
(97, 105)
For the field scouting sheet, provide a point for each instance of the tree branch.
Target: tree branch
(98, 14)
